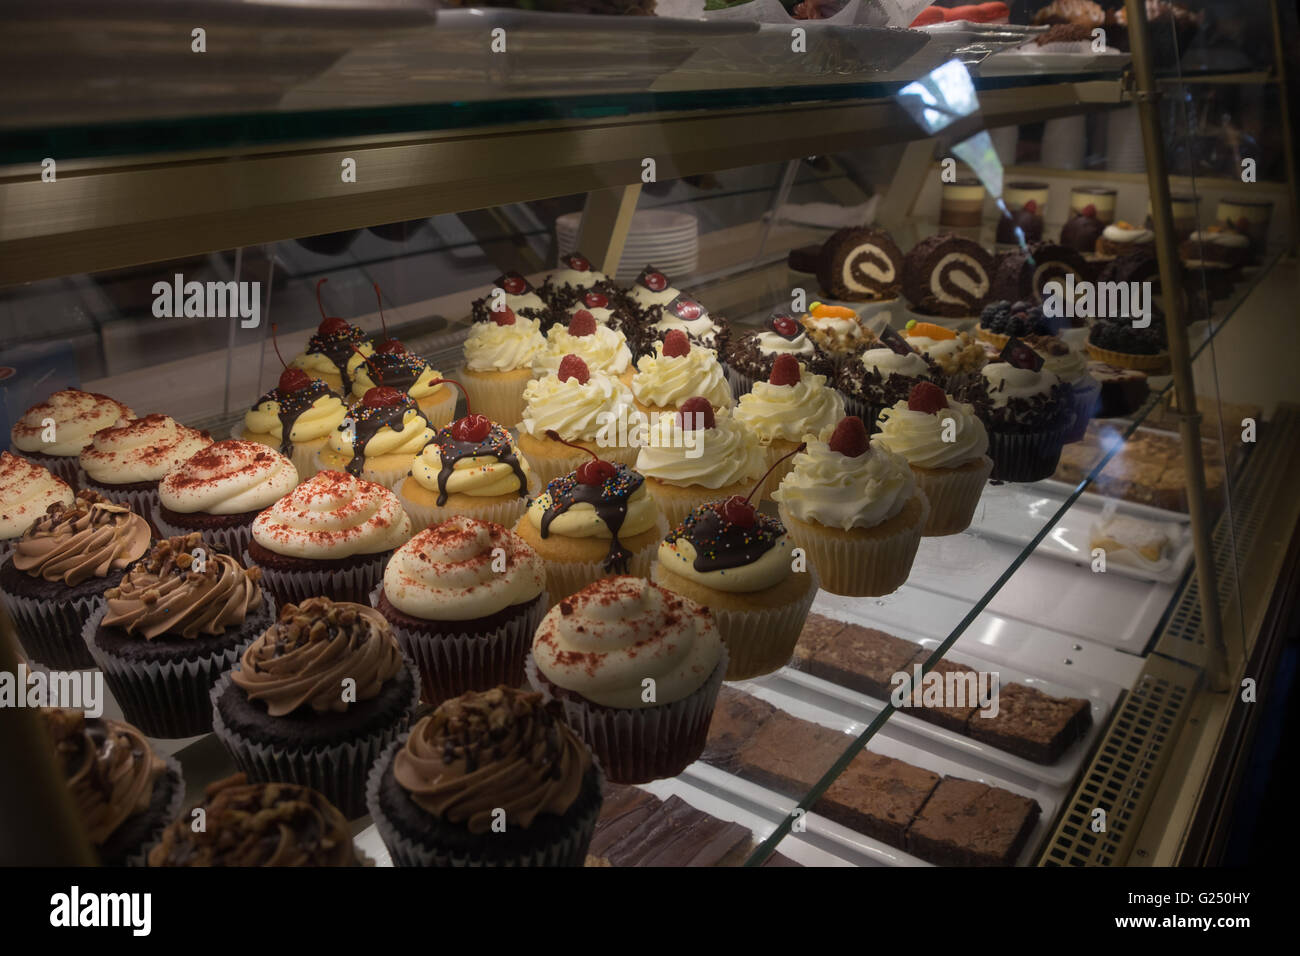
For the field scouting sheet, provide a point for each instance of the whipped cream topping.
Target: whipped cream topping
(770, 343)
(707, 458)
(834, 490)
(790, 412)
(645, 298)
(605, 350)
(1006, 382)
(603, 316)
(333, 515)
(228, 478)
(574, 410)
(578, 278)
(702, 327)
(26, 490)
(1224, 237)
(503, 348)
(75, 416)
(1063, 362)
(143, 449)
(947, 438)
(667, 381)
(1117, 233)
(888, 362)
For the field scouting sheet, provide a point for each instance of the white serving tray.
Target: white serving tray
(1011, 63)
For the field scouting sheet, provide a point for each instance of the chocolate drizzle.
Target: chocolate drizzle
(338, 349)
(721, 545)
(610, 500)
(367, 420)
(399, 370)
(496, 444)
(292, 405)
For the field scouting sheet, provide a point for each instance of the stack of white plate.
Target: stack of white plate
(1124, 152)
(668, 240)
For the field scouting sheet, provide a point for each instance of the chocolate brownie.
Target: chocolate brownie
(925, 697)
(636, 828)
(817, 632)
(878, 796)
(965, 823)
(736, 718)
(948, 255)
(864, 659)
(1032, 724)
(860, 265)
(789, 755)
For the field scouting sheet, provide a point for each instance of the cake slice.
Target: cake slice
(878, 796)
(789, 755)
(736, 718)
(817, 631)
(1031, 724)
(863, 659)
(949, 714)
(965, 823)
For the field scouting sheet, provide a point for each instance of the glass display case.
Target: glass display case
(1032, 361)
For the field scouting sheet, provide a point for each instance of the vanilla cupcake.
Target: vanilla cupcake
(946, 446)
(498, 364)
(53, 432)
(583, 407)
(637, 670)
(464, 598)
(330, 536)
(219, 492)
(677, 371)
(602, 347)
(687, 315)
(297, 417)
(594, 522)
(750, 357)
(26, 491)
(855, 509)
(793, 404)
(697, 455)
(330, 350)
(407, 373)
(379, 438)
(126, 462)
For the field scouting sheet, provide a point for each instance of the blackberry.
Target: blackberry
(1019, 319)
(995, 312)
(1122, 337)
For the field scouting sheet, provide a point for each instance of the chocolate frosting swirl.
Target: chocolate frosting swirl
(303, 659)
(173, 592)
(259, 824)
(484, 750)
(91, 538)
(110, 769)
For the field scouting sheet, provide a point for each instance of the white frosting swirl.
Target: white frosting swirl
(1117, 233)
(576, 278)
(605, 350)
(714, 458)
(576, 411)
(228, 478)
(76, 416)
(790, 412)
(927, 440)
(667, 381)
(143, 449)
(769, 343)
(333, 515)
(503, 348)
(1006, 382)
(888, 362)
(26, 490)
(645, 298)
(830, 489)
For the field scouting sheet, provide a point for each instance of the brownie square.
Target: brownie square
(1031, 724)
(949, 717)
(789, 755)
(736, 718)
(817, 631)
(965, 823)
(864, 659)
(878, 796)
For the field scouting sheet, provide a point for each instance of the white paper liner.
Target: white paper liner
(859, 567)
(451, 664)
(564, 578)
(503, 402)
(351, 584)
(1027, 457)
(232, 540)
(761, 640)
(569, 851)
(642, 744)
(339, 772)
(140, 857)
(953, 496)
(504, 513)
(169, 699)
(441, 412)
(50, 631)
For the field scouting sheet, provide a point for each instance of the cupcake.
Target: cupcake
(59, 568)
(491, 778)
(260, 824)
(649, 293)
(499, 363)
(53, 432)
(388, 430)
(1117, 342)
(677, 371)
(793, 404)
(1070, 367)
(409, 374)
(1027, 411)
(837, 332)
(698, 455)
(315, 699)
(464, 598)
(219, 492)
(955, 355)
(662, 308)
(750, 356)
(328, 537)
(1002, 320)
(737, 562)
(574, 278)
(855, 509)
(584, 408)
(881, 377)
(607, 306)
(945, 445)
(1122, 238)
(512, 293)
(125, 463)
(122, 792)
(469, 468)
(602, 347)
(595, 521)
(637, 670)
(330, 350)
(26, 491)
(175, 623)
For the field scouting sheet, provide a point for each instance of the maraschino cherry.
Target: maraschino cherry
(785, 370)
(594, 472)
(389, 346)
(572, 366)
(850, 437)
(330, 324)
(291, 379)
(676, 344)
(596, 300)
(785, 326)
(381, 396)
(696, 409)
(583, 323)
(740, 511)
(472, 428)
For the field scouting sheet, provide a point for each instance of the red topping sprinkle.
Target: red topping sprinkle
(572, 366)
(927, 397)
(785, 370)
(697, 405)
(582, 323)
(850, 437)
(676, 344)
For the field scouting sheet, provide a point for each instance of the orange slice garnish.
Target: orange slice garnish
(820, 311)
(930, 331)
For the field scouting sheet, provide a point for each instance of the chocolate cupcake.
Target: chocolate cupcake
(123, 793)
(947, 275)
(516, 294)
(491, 778)
(316, 698)
(59, 568)
(26, 491)
(860, 264)
(1027, 412)
(573, 278)
(175, 623)
(880, 378)
(75, 416)
(126, 462)
(464, 598)
(750, 356)
(260, 824)
(1021, 275)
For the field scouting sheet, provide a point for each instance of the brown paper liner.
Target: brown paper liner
(351, 584)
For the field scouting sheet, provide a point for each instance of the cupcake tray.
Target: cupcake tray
(858, 849)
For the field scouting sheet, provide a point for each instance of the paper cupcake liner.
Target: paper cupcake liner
(304, 460)
(1025, 457)
(761, 640)
(503, 402)
(339, 772)
(50, 631)
(172, 812)
(1151, 364)
(169, 699)
(569, 850)
(864, 410)
(233, 540)
(350, 584)
(953, 496)
(1086, 398)
(859, 567)
(647, 743)
(441, 412)
(504, 513)
(741, 384)
(451, 664)
(564, 578)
